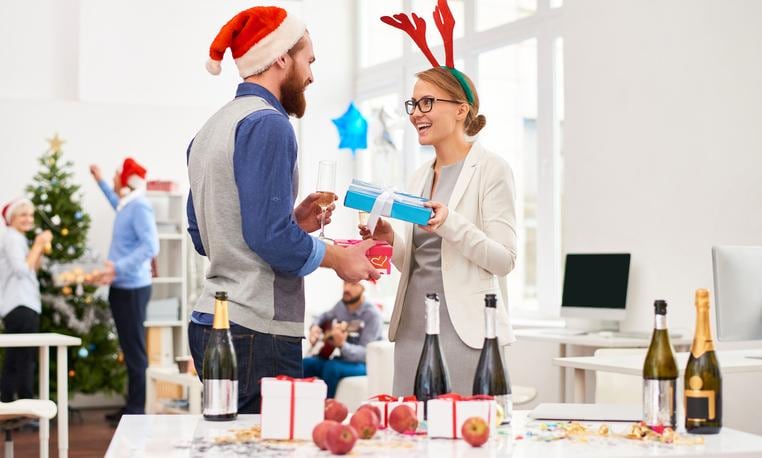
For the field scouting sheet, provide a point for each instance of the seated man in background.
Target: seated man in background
(339, 336)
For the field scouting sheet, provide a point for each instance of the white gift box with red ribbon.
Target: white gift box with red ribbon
(387, 403)
(447, 413)
(291, 408)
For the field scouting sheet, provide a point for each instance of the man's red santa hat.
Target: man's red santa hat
(132, 174)
(256, 37)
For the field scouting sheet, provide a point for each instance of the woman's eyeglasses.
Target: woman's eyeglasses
(424, 104)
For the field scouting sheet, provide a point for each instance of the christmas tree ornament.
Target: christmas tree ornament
(43, 197)
(353, 129)
(65, 231)
(55, 144)
(78, 216)
(48, 208)
(66, 291)
(83, 352)
(120, 358)
(56, 220)
(72, 373)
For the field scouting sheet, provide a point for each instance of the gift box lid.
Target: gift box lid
(272, 387)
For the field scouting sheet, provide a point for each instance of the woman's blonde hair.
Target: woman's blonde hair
(443, 79)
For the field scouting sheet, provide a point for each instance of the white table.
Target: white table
(592, 341)
(169, 436)
(45, 341)
(731, 362)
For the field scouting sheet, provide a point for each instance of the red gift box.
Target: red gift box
(379, 255)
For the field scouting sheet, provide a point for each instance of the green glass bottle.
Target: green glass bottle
(703, 380)
(220, 371)
(659, 374)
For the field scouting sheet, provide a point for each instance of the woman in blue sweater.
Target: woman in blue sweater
(134, 243)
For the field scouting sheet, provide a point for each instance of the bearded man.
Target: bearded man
(242, 167)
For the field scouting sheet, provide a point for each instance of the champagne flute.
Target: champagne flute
(326, 187)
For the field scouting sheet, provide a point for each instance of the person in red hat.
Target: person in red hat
(242, 167)
(134, 243)
(20, 305)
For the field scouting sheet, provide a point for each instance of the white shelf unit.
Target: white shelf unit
(172, 280)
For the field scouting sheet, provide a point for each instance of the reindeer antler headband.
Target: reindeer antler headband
(417, 30)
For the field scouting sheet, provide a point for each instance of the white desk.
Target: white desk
(45, 341)
(169, 436)
(592, 341)
(731, 361)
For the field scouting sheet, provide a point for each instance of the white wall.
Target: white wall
(662, 144)
(128, 78)
(662, 153)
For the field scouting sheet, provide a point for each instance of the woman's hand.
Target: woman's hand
(438, 218)
(384, 232)
(43, 238)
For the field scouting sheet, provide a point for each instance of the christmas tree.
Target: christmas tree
(73, 309)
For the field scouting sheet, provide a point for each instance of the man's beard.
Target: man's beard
(352, 300)
(292, 95)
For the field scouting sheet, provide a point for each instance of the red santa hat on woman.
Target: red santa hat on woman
(132, 174)
(256, 37)
(11, 207)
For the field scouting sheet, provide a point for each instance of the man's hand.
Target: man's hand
(307, 213)
(339, 334)
(315, 333)
(106, 277)
(95, 171)
(350, 262)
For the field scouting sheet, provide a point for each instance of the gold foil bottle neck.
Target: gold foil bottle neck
(702, 340)
(221, 320)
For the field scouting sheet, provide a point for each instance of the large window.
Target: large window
(512, 49)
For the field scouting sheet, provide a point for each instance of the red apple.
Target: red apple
(375, 410)
(403, 420)
(334, 410)
(365, 422)
(475, 431)
(319, 432)
(340, 439)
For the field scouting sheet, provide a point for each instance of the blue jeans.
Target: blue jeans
(331, 371)
(257, 355)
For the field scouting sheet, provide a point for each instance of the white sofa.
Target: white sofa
(352, 391)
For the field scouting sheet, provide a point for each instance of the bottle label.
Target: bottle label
(660, 322)
(700, 405)
(659, 402)
(489, 320)
(432, 317)
(220, 397)
(506, 403)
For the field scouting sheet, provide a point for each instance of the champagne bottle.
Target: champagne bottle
(703, 380)
(491, 377)
(432, 377)
(220, 372)
(659, 374)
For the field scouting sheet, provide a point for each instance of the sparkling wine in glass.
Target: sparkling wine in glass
(326, 187)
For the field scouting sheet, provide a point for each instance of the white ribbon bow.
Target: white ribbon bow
(381, 207)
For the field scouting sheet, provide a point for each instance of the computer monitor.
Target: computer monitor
(738, 292)
(595, 286)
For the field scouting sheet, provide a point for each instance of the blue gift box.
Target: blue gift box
(406, 207)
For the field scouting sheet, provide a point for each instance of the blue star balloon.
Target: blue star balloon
(353, 129)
